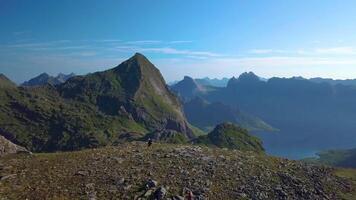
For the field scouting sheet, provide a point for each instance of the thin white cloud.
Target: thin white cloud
(108, 40)
(20, 33)
(320, 51)
(180, 42)
(337, 50)
(169, 50)
(38, 44)
(166, 50)
(144, 42)
(287, 61)
(266, 51)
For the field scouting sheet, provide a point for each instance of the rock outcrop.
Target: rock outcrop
(7, 147)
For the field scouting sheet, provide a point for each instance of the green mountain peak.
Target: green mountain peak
(231, 136)
(6, 82)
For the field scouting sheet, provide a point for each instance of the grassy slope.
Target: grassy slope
(338, 158)
(55, 123)
(351, 175)
(215, 173)
(92, 110)
(228, 135)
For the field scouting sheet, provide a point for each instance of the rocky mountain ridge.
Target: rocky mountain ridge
(166, 171)
(98, 109)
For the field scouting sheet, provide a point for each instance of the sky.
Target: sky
(200, 38)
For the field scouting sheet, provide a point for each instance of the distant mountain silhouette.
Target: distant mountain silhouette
(334, 81)
(188, 88)
(212, 81)
(44, 79)
(206, 115)
(310, 116)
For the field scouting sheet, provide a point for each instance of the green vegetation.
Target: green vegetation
(349, 174)
(5, 82)
(228, 135)
(338, 158)
(99, 109)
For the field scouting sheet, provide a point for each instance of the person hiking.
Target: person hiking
(149, 142)
(189, 195)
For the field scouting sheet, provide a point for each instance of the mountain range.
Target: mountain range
(44, 79)
(117, 109)
(310, 116)
(132, 101)
(212, 81)
(206, 115)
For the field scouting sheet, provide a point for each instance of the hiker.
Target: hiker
(149, 143)
(189, 195)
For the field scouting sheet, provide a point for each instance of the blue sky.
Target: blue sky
(214, 38)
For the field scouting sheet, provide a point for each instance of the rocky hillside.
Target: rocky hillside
(134, 171)
(135, 87)
(99, 109)
(228, 135)
(7, 147)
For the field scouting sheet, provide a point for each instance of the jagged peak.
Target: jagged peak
(248, 76)
(189, 79)
(43, 75)
(189, 82)
(5, 81)
(139, 58)
(232, 81)
(2, 76)
(138, 63)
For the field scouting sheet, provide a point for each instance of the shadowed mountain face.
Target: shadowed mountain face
(310, 116)
(102, 108)
(334, 81)
(188, 88)
(44, 79)
(206, 115)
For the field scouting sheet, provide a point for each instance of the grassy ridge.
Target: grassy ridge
(121, 172)
(228, 135)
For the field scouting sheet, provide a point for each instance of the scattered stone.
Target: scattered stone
(177, 197)
(7, 147)
(151, 184)
(120, 181)
(148, 193)
(3, 178)
(81, 173)
(160, 193)
(90, 190)
(127, 187)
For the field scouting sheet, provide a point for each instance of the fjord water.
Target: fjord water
(281, 145)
